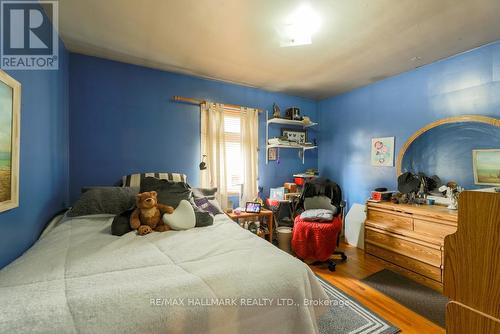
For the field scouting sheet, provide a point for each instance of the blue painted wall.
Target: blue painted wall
(43, 160)
(122, 120)
(468, 83)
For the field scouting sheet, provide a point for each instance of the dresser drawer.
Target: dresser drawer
(391, 219)
(416, 266)
(400, 245)
(433, 228)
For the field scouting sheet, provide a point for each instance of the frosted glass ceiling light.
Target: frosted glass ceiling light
(298, 27)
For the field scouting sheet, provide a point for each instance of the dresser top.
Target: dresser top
(435, 211)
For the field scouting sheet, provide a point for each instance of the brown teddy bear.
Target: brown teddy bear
(146, 218)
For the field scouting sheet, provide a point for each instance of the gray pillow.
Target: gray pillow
(104, 200)
(317, 215)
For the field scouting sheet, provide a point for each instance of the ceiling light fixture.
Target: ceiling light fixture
(298, 27)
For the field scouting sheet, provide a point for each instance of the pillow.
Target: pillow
(203, 218)
(208, 193)
(204, 192)
(135, 180)
(205, 205)
(317, 215)
(108, 200)
(169, 193)
(85, 189)
(183, 217)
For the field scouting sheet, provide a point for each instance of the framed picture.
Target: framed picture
(295, 135)
(272, 154)
(10, 105)
(486, 165)
(382, 152)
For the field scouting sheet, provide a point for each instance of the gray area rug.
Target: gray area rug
(347, 315)
(418, 298)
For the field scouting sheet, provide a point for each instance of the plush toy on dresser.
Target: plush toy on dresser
(146, 218)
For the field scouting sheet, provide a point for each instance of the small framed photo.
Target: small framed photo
(272, 154)
(382, 152)
(295, 135)
(486, 165)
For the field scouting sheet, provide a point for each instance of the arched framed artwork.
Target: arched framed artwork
(10, 105)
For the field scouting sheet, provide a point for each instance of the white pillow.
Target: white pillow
(182, 218)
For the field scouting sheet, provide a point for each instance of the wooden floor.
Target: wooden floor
(347, 278)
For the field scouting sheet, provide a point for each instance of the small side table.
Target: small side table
(264, 213)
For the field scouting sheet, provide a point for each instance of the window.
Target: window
(237, 130)
(232, 134)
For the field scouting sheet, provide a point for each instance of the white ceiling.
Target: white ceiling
(359, 41)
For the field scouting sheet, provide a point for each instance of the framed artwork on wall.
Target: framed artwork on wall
(10, 105)
(486, 165)
(272, 154)
(382, 152)
(295, 135)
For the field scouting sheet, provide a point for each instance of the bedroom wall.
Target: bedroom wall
(468, 83)
(43, 157)
(122, 120)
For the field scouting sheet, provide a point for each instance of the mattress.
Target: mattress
(217, 279)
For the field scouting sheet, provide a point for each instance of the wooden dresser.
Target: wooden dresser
(410, 238)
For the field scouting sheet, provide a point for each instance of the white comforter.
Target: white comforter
(80, 278)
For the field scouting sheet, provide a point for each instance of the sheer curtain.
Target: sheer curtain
(249, 152)
(213, 145)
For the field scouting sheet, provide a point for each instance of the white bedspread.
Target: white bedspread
(80, 278)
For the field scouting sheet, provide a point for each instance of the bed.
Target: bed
(216, 279)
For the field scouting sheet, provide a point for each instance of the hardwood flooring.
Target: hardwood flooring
(347, 278)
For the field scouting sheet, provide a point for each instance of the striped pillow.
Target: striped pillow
(135, 180)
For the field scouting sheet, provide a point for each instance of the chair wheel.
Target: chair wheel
(331, 266)
(344, 257)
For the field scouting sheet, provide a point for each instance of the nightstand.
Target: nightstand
(264, 213)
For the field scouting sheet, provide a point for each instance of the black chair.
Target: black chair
(325, 194)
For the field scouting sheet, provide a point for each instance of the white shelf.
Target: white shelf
(302, 149)
(289, 122)
(305, 148)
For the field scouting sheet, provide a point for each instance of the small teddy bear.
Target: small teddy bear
(146, 218)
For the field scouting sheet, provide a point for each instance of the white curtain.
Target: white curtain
(249, 152)
(213, 145)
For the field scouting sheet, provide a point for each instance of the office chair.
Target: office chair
(322, 194)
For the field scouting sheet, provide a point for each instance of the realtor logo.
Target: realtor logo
(29, 35)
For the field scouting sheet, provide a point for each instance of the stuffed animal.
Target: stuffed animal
(146, 218)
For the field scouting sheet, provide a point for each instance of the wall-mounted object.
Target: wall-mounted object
(282, 121)
(486, 165)
(203, 164)
(295, 135)
(382, 152)
(445, 148)
(272, 154)
(10, 110)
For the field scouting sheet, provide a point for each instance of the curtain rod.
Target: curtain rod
(191, 100)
